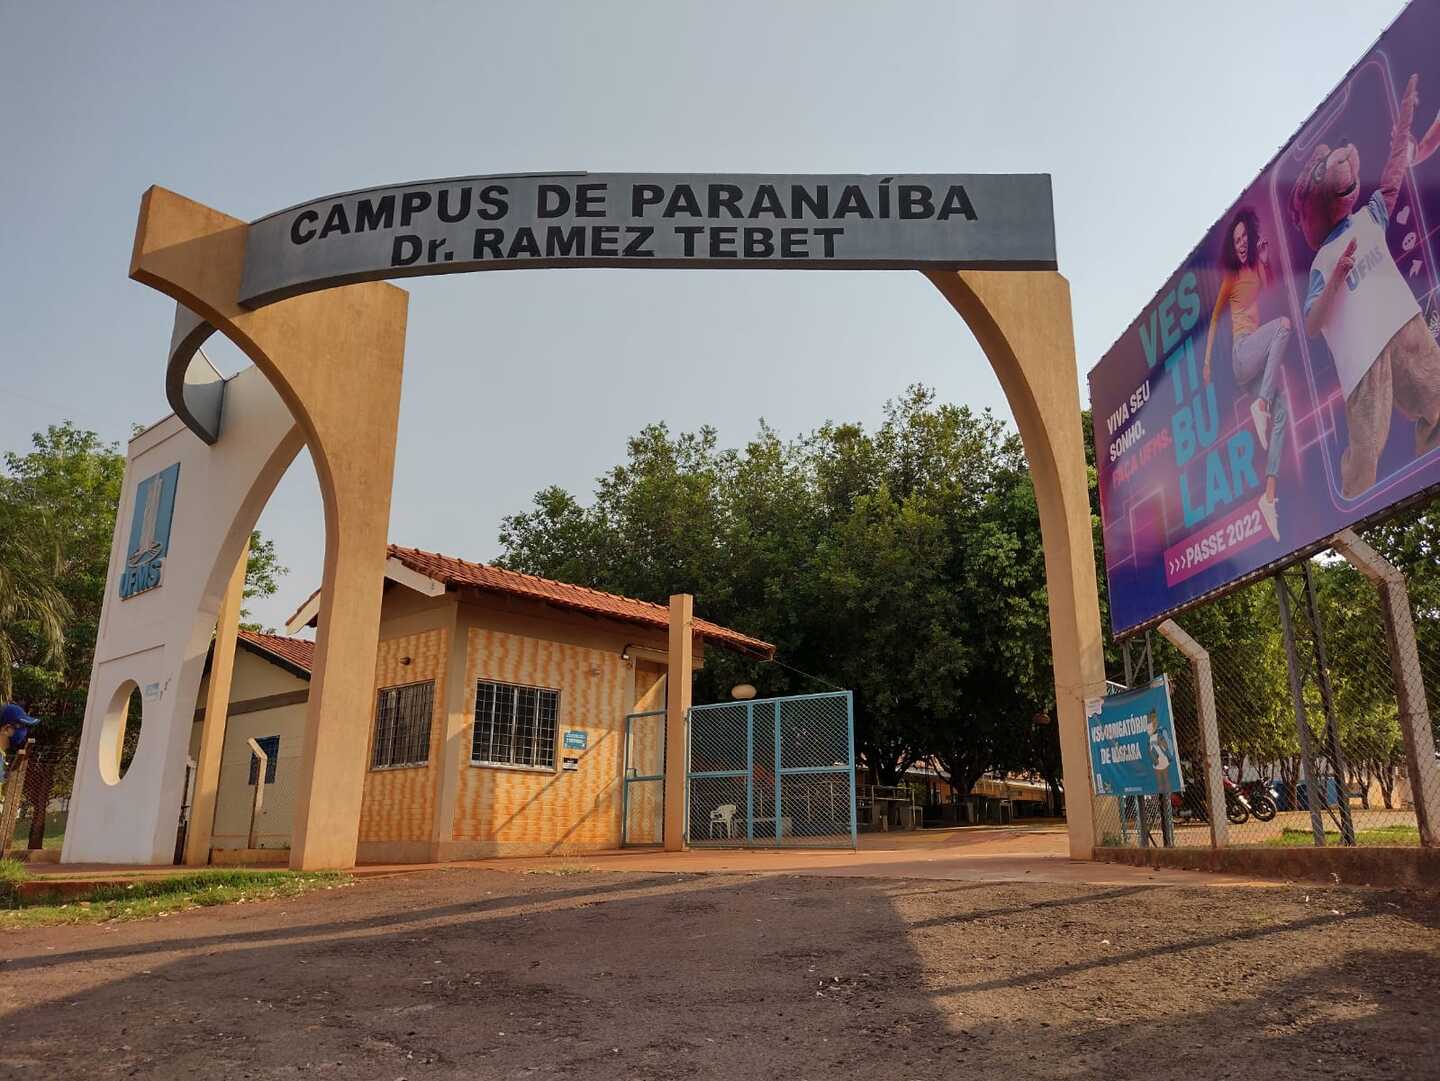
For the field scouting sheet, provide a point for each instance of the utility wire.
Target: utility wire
(807, 675)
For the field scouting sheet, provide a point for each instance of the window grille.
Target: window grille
(402, 725)
(514, 725)
(271, 746)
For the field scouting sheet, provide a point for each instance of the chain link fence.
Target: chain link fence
(1341, 770)
(772, 772)
(35, 800)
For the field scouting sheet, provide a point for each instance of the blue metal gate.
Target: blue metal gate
(772, 772)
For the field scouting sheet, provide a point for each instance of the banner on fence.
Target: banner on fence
(1132, 742)
(1284, 383)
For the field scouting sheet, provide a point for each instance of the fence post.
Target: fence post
(854, 807)
(779, 777)
(1199, 658)
(1409, 684)
(12, 795)
(259, 801)
(1327, 702)
(750, 772)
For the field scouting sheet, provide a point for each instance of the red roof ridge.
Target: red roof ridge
(595, 601)
(299, 652)
(533, 577)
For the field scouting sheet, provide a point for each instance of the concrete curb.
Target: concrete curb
(1410, 868)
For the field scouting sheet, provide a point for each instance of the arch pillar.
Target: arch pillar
(1023, 323)
(335, 358)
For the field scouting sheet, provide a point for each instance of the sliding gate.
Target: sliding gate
(771, 772)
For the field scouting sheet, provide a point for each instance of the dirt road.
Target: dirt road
(468, 973)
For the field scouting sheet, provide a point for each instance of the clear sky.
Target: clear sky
(1151, 116)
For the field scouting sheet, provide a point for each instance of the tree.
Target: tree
(263, 572)
(902, 563)
(75, 478)
(32, 605)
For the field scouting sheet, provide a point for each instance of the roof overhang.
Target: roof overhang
(308, 614)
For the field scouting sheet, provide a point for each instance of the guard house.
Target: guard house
(499, 716)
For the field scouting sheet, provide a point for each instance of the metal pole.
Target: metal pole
(854, 809)
(625, 788)
(1297, 696)
(1209, 727)
(1409, 683)
(749, 773)
(1327, 702)
(1167, 812)
(778, 831)
(1127, 803)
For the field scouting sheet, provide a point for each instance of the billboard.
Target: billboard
(1284, 383)
(1132, 742)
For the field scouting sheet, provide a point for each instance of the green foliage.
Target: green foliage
(161, 896)
(903, 563)
(12, 873)
(263, 572)
(71, 479)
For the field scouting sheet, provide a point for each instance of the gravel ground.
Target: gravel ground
(486, 974)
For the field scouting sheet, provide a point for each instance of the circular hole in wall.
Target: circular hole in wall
(120, 734)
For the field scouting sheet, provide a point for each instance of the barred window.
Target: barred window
(402, 725)
(271, 746)
(514, 725)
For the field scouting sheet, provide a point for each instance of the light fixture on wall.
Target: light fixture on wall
(742, 692)
(405, 661)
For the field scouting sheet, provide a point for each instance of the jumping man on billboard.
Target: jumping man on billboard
(1257, 351)
(1358, 300)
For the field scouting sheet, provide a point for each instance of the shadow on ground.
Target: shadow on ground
(485, 974)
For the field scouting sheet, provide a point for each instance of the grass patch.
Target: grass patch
(12, 873)
(1379, 835)
(160, 896)
(54, 830)
(561, 869)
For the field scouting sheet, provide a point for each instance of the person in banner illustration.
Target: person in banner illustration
(1257, 350)
(1160, 754)
(1359, 302)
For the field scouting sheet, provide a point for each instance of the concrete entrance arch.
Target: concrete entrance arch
(334, 354)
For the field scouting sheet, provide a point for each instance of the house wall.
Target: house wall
(257, 678)
(449, 808)
(500, 811)
(397, 810)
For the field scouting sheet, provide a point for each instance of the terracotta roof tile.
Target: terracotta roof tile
(460, 572)
(299, 652)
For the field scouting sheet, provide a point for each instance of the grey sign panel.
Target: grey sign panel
(752, 220)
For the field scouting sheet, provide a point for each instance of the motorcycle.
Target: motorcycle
(1260, 798)
(1238, 808)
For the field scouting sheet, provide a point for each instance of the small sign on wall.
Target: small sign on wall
(576, 740)
(570, 764)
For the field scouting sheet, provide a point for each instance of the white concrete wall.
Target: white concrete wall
(256, 677)
(158, 639)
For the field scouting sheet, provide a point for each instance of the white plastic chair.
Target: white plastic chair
(724, 815)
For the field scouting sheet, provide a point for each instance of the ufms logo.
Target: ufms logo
(149, 532)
